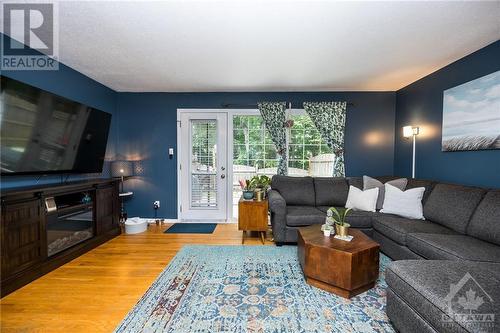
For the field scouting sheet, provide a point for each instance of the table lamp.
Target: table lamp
(121, 169)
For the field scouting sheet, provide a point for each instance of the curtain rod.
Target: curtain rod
(236, 105)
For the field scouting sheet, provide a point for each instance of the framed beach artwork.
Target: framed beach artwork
(471, 115)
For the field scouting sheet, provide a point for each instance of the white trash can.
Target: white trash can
(135, 225)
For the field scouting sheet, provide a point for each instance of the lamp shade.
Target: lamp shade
(122, 169)
(408, 131)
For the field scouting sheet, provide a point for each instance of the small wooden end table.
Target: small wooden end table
(343, 268)
(252, 216)
(123, 212)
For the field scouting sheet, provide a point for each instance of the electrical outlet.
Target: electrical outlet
(156, 204)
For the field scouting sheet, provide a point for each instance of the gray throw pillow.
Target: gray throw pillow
(369, 182)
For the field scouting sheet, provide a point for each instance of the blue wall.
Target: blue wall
(144, 127)
(421, 104)
(148, 128)
(73, 85)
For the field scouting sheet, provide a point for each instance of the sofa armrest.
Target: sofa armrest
(277, 203)
(277, 206)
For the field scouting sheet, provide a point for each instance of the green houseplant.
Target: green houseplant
(339, 217)
(262, 183)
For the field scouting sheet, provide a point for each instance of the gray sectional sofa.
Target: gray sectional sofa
(461, 234)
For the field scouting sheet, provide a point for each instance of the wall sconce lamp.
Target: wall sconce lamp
(408, 132)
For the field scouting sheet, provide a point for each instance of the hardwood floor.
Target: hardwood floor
(94, 292)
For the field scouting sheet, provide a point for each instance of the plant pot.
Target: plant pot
(248, 195)
(327, 232)
(259, 195)
(342, 230)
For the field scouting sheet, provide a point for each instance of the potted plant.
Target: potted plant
(339, 216)
(247, 190)
(261, 183)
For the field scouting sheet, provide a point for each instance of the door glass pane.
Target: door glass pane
(204, 163)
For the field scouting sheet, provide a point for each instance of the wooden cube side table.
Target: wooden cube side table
(343, 268)
(252, 216)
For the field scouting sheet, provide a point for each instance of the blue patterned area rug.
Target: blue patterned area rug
(250, 289)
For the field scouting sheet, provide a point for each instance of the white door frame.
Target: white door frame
(183, 151)
(229, 174)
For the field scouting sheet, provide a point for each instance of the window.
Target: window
(254, 152)
(252, 145)
(304, 142)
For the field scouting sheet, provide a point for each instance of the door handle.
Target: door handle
(223, 176)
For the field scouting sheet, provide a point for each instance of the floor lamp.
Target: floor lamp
(411, 131)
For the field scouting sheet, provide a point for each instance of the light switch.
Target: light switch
(171, 152)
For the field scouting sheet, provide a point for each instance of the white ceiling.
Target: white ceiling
(269, 45)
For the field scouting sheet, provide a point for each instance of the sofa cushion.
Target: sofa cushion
(394, 250)
(428, 184)
(358, 181)
(452, 247)
(397, 228)
(427, 286)
(360, 219)
(485, 223)
(356, 218)
(295, 190)
(355, 181)
(324, 209)
(331, 191)
(304, 215)
(452, 205)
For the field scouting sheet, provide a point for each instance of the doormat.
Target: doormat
(191, 228)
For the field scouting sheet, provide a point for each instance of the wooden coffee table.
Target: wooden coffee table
(343, 268)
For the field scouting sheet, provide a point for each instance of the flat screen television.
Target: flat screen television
(43, 133)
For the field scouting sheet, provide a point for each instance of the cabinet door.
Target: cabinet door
(22, 235)
(107, 209)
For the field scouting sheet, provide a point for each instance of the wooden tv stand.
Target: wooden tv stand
(35, 238)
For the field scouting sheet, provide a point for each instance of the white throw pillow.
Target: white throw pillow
(362, 200)
(404, 203)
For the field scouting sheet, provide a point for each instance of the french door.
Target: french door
(203, 166)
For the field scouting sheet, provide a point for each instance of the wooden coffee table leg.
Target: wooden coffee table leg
(263, 236)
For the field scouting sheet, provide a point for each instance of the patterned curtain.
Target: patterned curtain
(329, 119)
(274, 117)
